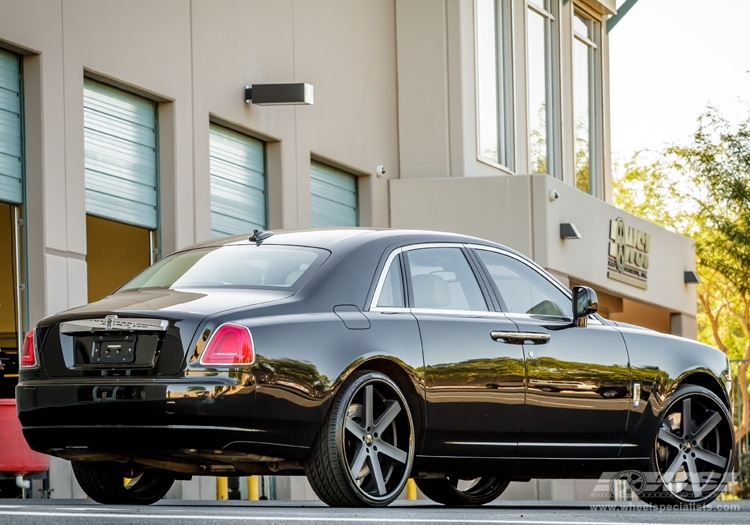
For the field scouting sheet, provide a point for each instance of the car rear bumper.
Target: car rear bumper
(159, 418)
(177, 443)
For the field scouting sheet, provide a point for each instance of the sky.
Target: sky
(670, 59)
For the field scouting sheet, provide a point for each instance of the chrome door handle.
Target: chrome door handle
(520, 338)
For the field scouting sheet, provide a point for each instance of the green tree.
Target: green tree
(718, 162)
(702, 190)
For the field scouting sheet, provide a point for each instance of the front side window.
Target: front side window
(541, 57)
(522, 289)
(441, 278)
(586, 101)
(494, 82)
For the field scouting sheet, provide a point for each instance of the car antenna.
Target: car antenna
(259, 236)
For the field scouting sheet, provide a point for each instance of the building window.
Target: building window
(333, 196)
(238, 182)
(494, 82)
(586, 103)
(541, 57)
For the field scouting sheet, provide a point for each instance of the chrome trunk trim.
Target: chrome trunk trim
(112, 322)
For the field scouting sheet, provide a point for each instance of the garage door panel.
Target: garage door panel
(120, 139)
(11, 144)
(333, 196)
(238, 182)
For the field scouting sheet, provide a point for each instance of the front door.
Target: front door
(578, 378)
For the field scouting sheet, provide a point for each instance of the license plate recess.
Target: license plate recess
(108, 349)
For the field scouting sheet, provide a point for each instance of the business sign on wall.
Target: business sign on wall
(628, 254)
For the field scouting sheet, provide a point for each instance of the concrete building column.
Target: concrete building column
(684, 325)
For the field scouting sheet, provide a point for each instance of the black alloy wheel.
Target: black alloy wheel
(105, 482)
(692, 451)
(453, 491)
(363, 454)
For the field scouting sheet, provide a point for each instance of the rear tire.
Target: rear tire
(104, 482)
(451, 491)
(362, 455)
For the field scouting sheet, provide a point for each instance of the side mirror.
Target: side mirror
(585, 302)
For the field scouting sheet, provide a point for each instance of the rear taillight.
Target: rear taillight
(230, 345)
(28, 353)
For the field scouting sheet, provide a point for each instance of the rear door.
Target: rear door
(474, 385)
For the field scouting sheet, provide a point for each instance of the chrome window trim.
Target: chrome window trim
(535, 444)
(384, 272)
(381, 283)
(464, 313)
(534, 266)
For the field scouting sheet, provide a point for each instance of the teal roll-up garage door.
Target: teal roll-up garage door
(120, 155)
(333, 196)
(238, 182)
(11, 167)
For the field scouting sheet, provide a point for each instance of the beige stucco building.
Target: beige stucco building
(486, 117)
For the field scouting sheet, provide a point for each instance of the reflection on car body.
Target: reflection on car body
(361, 358)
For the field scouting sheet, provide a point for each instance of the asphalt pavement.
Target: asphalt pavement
(85, 512)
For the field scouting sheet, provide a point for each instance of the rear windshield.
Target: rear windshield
(244, 266)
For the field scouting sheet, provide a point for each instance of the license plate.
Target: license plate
(113, 351)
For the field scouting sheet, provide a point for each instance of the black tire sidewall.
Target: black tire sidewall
(335, 485)
(440, 490)
(666, 497)
(103, 482)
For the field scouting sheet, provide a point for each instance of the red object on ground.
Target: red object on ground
(15, 455)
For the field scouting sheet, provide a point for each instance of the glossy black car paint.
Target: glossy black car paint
(480, 406)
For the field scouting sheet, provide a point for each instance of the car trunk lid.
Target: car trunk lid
(135, 333)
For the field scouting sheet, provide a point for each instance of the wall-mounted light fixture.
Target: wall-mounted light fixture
(691, 277)
(279, 94)
(568, 230)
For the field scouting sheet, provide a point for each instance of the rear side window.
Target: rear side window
(231, 267)
(441, 278)
(392, 292)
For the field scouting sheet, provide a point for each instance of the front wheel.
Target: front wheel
(112, 483)
(363, 454)
(692, 451)
(453, 491)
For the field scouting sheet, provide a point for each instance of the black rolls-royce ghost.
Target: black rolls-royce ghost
(361, 358)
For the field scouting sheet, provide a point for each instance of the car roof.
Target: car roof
(335, 238)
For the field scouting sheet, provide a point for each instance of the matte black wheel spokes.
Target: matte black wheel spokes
(362, 456)
(693, 448)
(377, 439)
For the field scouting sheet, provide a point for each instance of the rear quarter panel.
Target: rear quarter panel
(303, 358)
